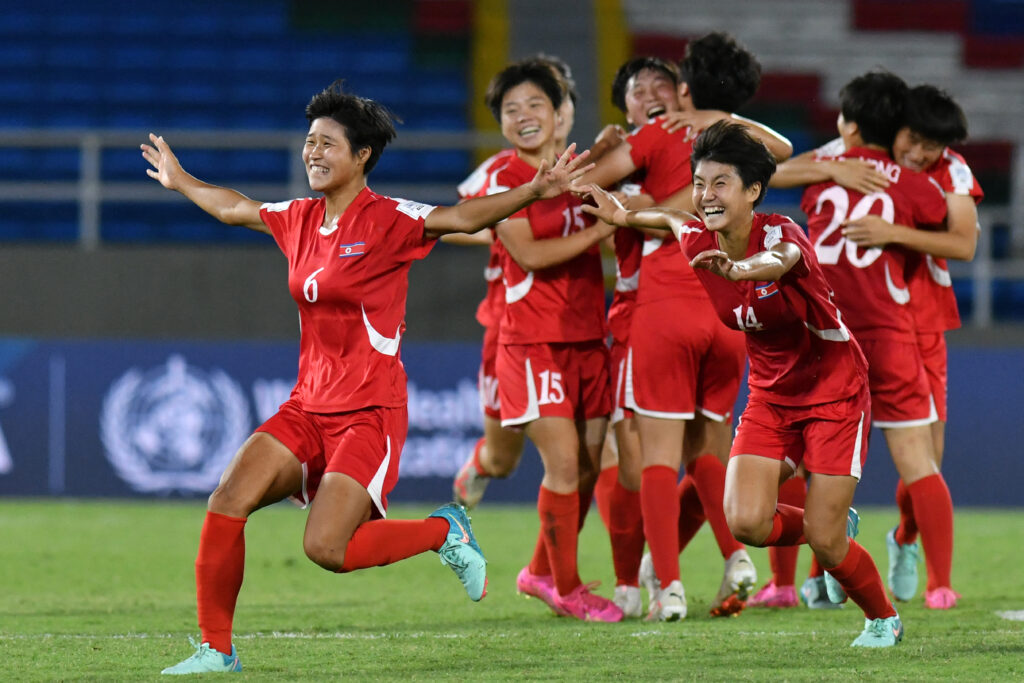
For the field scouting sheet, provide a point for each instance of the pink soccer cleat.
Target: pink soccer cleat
(540, 587)
(586, 606)
(774, 596)
(943, 597)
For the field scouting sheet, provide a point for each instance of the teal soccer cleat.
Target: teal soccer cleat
(814, 595)
(206, 660)
(880, 633)
(903, 560)
(835, 592)
(461, 551)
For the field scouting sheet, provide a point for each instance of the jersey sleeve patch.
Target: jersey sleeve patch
(277, 207)
(413, 209)
(961, 177)
(772, 235)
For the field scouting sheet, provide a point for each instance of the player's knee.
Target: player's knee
(228, 499)
(749, 527)
(829, 545)
(323, 554)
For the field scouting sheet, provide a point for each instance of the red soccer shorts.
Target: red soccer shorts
(900, 393)
(364, 444)
(487, 380)
(932, 346)
(618, 355)
(553, 380)
(683, 359)
(829, 438)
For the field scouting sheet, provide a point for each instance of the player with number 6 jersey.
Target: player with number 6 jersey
(336, 443)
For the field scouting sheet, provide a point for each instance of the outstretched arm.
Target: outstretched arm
(608, 209)
(853, 174)
(958, 241)
(534, 254)
(779, 146)
(226, 205)
(480, 212)
(764, 266)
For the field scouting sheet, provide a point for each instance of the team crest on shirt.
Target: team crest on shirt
(174, 427)
(354, 249)
(766, 289)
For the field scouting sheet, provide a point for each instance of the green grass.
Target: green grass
(104, 591)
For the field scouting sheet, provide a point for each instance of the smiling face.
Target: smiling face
(527, 117)
(915, 151)
(649, 93)
(719, 197)
(328, 157)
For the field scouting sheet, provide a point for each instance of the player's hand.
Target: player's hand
(166, 167)
(696, 120)
(717, 261)
(605, 208)
(611, 135)
(553, 181)
(869, 231)
(859, 175)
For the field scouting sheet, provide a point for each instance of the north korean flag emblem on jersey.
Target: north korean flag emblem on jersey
(766, 289)
(354, 249)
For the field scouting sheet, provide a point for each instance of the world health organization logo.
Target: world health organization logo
(174, 427)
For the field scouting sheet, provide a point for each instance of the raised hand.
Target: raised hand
(166, 167)
(868, 231)
(696, 120)
(555, 180)
(606, 207)
(718, 262)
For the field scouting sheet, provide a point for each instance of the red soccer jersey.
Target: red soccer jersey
(628, 245)
(800, 351)
(492, 306)
(563, 303)
(931, 286)
(350, 284)
(664, 159)
(870, 284)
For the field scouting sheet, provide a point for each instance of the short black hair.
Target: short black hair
(730, 143)
(721, 73)
(562, 70)
(533, 71)
(876, 102)
(934, 114)
(367, 123)
(632, 68)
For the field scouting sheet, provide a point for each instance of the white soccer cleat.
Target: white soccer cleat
(670, 604)
(649, 579)
(628, 600)
(737, 584)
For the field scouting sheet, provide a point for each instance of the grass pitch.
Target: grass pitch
(104, 591)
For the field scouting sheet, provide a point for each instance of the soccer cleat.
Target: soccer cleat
(739, 579)
(206, 660)
(835, 591)
(880, 633)
(903, 558)
(774, 596)
(649, 579)
(469, 485)
(540, 587)
(627, 598)
(461, 551)
(941, 598)
(670, 605)
(586, 606)
(814, 595)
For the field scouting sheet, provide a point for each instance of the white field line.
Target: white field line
(288, 635)
(1012, 615)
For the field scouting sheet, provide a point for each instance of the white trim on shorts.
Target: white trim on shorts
(715, 417)
(377, 483)
(855, 469)
(933, 416)
(532, 405)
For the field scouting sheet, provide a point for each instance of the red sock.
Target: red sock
(933, 510)
(691, 512)
(708, 474)
(906, 532)
(559, 524)
(859, 578)
(787, 527)
(539, 563)
(626, 530)
(386, 541)
(660, 509)
(793, 492)
(603, 493)
(585, 497)
(220, 565)
(816, 569)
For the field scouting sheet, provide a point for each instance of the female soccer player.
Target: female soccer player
(552, 362)
(336, 443)
(809, 398)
